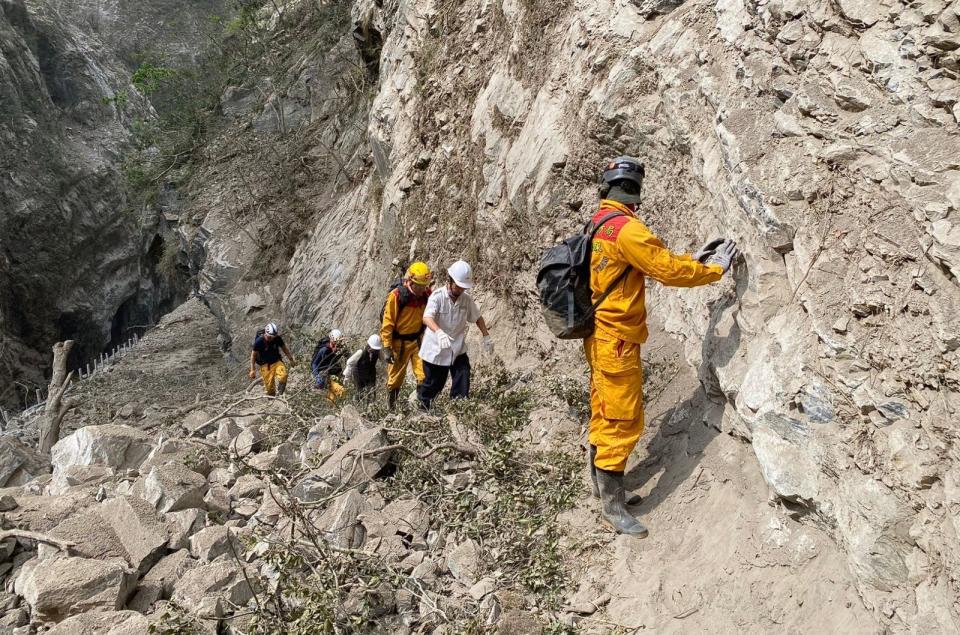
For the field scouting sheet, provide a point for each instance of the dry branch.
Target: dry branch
(63, 545)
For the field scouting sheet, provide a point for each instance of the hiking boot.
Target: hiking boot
(281, 388)
(631, 498)
(392, 397)
(613, 509)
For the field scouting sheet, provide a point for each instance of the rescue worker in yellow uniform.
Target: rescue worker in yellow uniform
(401, 328)
(625, 252)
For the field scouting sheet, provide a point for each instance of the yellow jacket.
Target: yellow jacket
(406, 324)
(623, 241)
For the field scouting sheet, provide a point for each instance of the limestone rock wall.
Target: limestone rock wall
(821, 135)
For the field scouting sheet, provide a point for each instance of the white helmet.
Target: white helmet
(375, 342)
(271, 329)
(461, 273)
(335, 335)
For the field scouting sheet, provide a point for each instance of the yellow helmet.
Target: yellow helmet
(419, 273)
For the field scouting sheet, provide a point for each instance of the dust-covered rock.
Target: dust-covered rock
(109, 445)
(171, 487)
(19, 462)
(357, 460)
(56, 588)
(210, 543)
(183, 524)
(124, 527)
(463, 560)
(201, 586)
(103, 623)
(158, 583)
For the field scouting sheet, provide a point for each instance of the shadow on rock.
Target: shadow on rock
(683, 431)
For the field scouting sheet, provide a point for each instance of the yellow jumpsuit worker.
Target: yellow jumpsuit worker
(265, 353)
(402, 327)
(613, 351)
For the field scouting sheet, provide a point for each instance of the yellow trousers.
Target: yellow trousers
(616, 399)
(404, 352)
(335, 390)
(273, 374)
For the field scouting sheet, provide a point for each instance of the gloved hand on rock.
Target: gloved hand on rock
(724, 255)
(708, 249)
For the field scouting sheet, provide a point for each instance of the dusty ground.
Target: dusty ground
(177, 363)
(720, 557)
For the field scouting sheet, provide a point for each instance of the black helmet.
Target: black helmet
(624, 169)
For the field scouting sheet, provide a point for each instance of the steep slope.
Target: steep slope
(474, 518)
(822, 136)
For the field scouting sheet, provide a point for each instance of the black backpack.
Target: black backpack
(564, 284)
(403, 300)
(259, 334)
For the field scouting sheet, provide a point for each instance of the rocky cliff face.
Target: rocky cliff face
(78, 258)
(823, 136)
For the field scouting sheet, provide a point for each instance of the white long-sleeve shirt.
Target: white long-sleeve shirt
(352, 365)
(453, 318)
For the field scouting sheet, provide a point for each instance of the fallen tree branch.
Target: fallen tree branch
(227, 411)
(63, 545)
(462, 449)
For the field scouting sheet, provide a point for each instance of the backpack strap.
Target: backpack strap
(593, 230)
(623, 274)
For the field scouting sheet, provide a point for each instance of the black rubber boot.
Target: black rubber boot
(631, 498)
(613, 509)
(281, 388)
(392, 397)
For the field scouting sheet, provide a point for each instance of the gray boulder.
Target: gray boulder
(173, 487)
(217, 500)
(227, 431)
(321, 441)
(464, 562)
(199, 589)
(19, 462)
(58, 588)
(125, 527)
(247, 486)
(115, 446)
(340, 524)
(105, 623)
(159, 582)
(183, 524)
(79, 475)
(210, 543)
(247, 442)
(356, 461)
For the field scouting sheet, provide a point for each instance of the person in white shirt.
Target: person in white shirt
(449, 313)
(362, 365)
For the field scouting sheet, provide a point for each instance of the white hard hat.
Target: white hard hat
(335, 335)
(375, 342)
(461, 273)
(271, 329)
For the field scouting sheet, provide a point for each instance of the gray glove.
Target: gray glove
(708, 249)
(388, 355)
(724, 255)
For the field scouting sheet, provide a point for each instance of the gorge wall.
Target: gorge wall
(79, 258)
